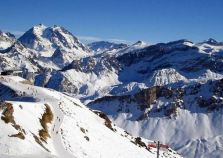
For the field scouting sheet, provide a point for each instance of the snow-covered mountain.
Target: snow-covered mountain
(188, 118)
(132, 48)
(47, 43)
(6, 40)
(38, 122)
(103, 46)
(47, 48)
(110, 82)
(167, 91)
(45, 40)
(161, 64)
(115, 48)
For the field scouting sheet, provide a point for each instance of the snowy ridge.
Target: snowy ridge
(134, 47)
(104, 46)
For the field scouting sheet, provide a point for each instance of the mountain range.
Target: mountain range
(168, 92)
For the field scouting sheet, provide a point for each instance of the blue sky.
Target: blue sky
(119, 20)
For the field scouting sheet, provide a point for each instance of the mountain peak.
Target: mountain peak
(139, 43)
(39, 27)
(45, 40)
(57, 27)
(211, 41)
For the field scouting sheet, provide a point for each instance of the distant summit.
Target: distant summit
(102, 46)
(139, 43)
(212, 41)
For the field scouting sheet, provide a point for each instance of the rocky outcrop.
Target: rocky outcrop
(147, 96)
(218, 88)
(165, 101)
(212, 103)
(94, 64)
(154, 52)
(7, 116)
(144, 99)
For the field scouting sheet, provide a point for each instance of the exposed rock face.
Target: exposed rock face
(57, 81)
(154, 52)
(212, 103)
(218, 88)
(175, 98)
(108, 122)
(8, 117)
(146, 97)
(7, 114)
(94, 64)
(215, 100)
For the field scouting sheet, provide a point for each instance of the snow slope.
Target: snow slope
(73, 130)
